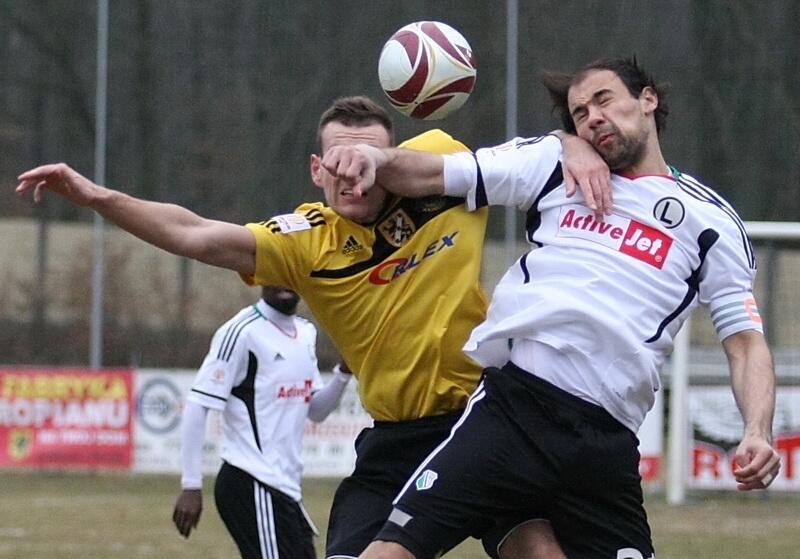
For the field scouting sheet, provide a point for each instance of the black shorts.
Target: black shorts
(264, 522)
(523, 446)
(387, 454)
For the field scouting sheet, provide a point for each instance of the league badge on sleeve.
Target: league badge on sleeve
(290, 223)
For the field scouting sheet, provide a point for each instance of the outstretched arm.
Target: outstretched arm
(753, 382)
(167, 226)
(415, 173)
(401, 171)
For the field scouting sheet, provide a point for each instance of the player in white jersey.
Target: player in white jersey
(580, 326)
(261, 373)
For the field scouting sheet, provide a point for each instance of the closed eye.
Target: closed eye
(578, 114)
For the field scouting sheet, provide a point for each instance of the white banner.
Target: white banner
(717, 427)
(160, 394)
(328, 446)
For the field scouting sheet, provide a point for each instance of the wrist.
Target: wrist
(758, 432)
(101, 198)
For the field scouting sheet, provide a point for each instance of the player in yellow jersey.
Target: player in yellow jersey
(394, 281)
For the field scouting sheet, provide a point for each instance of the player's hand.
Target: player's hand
(585, 169)
(355, 164)
(61, 179)
(188, 509)
(757, 463)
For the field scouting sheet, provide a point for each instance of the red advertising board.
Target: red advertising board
(66, 418)
(717, 427)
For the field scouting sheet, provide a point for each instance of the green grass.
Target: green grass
(111, 516)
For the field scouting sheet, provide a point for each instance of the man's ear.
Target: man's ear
(315, 165)
(649, 100)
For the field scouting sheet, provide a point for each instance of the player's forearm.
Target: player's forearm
(411, 173)
(753, 381)
(163, 225)
(324, 401)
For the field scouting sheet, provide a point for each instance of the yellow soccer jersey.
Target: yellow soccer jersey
(399, 297)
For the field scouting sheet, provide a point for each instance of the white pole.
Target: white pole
(96, 327)
(679, 417)
(512, 17)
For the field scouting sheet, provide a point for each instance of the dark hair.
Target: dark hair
(632, 75)
(355, 111)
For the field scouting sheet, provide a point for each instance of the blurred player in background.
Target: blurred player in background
(580, 326)
(394, 281)
(261, 373)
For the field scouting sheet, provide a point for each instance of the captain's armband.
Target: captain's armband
(735, 313)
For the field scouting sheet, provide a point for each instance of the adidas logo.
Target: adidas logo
(351, 245)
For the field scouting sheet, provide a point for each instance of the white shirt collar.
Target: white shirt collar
(283, 321)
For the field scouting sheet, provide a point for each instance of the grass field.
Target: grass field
(94, 516)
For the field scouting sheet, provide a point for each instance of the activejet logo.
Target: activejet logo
(387, 271)
(295, 391)
(625, 235)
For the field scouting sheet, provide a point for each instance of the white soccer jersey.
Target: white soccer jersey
(260, 372)
(594, 309)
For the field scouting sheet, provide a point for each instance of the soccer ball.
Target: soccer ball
(427, 70)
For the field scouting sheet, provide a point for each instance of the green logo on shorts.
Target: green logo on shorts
(426, 479)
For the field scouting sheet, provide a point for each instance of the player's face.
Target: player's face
(338, 193)
(615, 122)
(280, 298)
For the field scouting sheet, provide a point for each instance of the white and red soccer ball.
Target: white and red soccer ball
(427, 70)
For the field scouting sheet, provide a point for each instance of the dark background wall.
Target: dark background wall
(214, 104)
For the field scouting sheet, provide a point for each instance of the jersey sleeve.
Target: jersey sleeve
(278, 250)
(511, 174)
(726, 281)
(225, 361)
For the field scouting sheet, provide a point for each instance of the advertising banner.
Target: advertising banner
(328, 446)
(651, 440)
(66, 418)
(717, 427)
(160, 395)
(69, 418)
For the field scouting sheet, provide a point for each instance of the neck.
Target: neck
(652, 163)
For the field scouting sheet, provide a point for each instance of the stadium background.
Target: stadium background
(213, 105)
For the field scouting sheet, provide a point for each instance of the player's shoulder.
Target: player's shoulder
(245, 315)
(523, 147)
(236, 326)
(435, 141)
(306, 217)
(712, 211)
(705, 199)
(305, 327)
(305, 324)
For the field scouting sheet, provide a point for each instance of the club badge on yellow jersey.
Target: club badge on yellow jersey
(397, 228)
